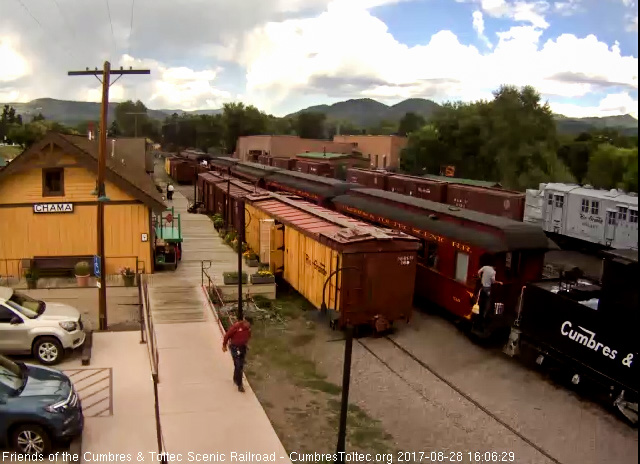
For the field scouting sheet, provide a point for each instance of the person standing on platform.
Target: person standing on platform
(237, 337)
(170, 192)
(487, 275)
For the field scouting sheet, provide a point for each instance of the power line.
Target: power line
(66, 49)
(64, 18)
(133, 2)
(113, 36)
(30, 14)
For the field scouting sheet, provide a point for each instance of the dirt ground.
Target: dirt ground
(302, 405)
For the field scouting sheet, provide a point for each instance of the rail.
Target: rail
(148, 336)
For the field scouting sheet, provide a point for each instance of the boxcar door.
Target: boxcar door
(276, 259)
(548, 212)
(558, 209)
(264, 239)
(610, 227)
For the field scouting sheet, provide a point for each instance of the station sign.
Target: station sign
(53, 208)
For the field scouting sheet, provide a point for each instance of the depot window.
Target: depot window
(633, 216)
(585, 206)
(53, 182)
(595, 207)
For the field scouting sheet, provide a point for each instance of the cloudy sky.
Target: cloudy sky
(283, 55)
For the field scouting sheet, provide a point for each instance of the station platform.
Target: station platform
(201, 410)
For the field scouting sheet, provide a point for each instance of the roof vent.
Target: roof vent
(433, 217)
(454, 208)
(588, 186)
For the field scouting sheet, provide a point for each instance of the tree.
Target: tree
(242, 121)
(425, 152)
(114, 130)
(310, 125)
(410, 122)
(38, 117)
(613, 167)
(384, 127)
(127, 121)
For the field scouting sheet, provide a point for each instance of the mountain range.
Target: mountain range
(363, 112)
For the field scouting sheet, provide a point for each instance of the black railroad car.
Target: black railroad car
(254, 172)
(586, 331)
(317, 189)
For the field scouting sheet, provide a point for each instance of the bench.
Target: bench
(58, 266)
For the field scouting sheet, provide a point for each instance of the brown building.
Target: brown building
(383, 151)
(285, 146)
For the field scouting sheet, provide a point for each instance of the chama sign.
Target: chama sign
(53, 208)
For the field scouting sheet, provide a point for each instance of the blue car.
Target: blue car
(38, 408)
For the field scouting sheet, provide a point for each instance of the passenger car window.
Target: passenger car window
(6, 315)
(462, 266)
(595, 207)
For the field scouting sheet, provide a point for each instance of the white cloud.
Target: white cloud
(568, 7)
(478, 26)
(522, 11)
(611, 105)
(13, 64)
(295, 57)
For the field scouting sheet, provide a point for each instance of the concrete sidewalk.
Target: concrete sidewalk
(201, 410)
(117, 395)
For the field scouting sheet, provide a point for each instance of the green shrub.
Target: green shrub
(82, 269)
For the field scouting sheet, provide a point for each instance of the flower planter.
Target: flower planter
(83, 281)
(129, 280)
(252, 262)
(32, 284)
(233, 280)
(258, 279)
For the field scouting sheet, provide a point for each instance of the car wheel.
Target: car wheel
(31, 439)
(48, 350)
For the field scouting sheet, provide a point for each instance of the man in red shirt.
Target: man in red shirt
(238, 337)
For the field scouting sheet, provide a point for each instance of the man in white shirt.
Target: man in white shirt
(170, 192)
(487, 275)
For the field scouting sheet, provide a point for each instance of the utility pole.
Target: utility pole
(106, 74)
(135, 115)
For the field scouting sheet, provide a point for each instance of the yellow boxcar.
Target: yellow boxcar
(364, 273)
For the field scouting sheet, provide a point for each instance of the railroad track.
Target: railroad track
(453, 387)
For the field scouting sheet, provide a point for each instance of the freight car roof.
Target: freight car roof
(317, 185)
(453, 231)
(316, 221)
(259, 171)
(224, 161)
(498, 222)
(459, 180)
(514, 235)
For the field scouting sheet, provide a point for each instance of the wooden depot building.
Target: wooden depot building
(48, 207)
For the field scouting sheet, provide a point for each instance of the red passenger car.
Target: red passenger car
(455, 244)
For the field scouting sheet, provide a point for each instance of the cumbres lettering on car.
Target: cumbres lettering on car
(586, 338)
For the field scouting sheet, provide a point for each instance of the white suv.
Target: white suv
(43, 329)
